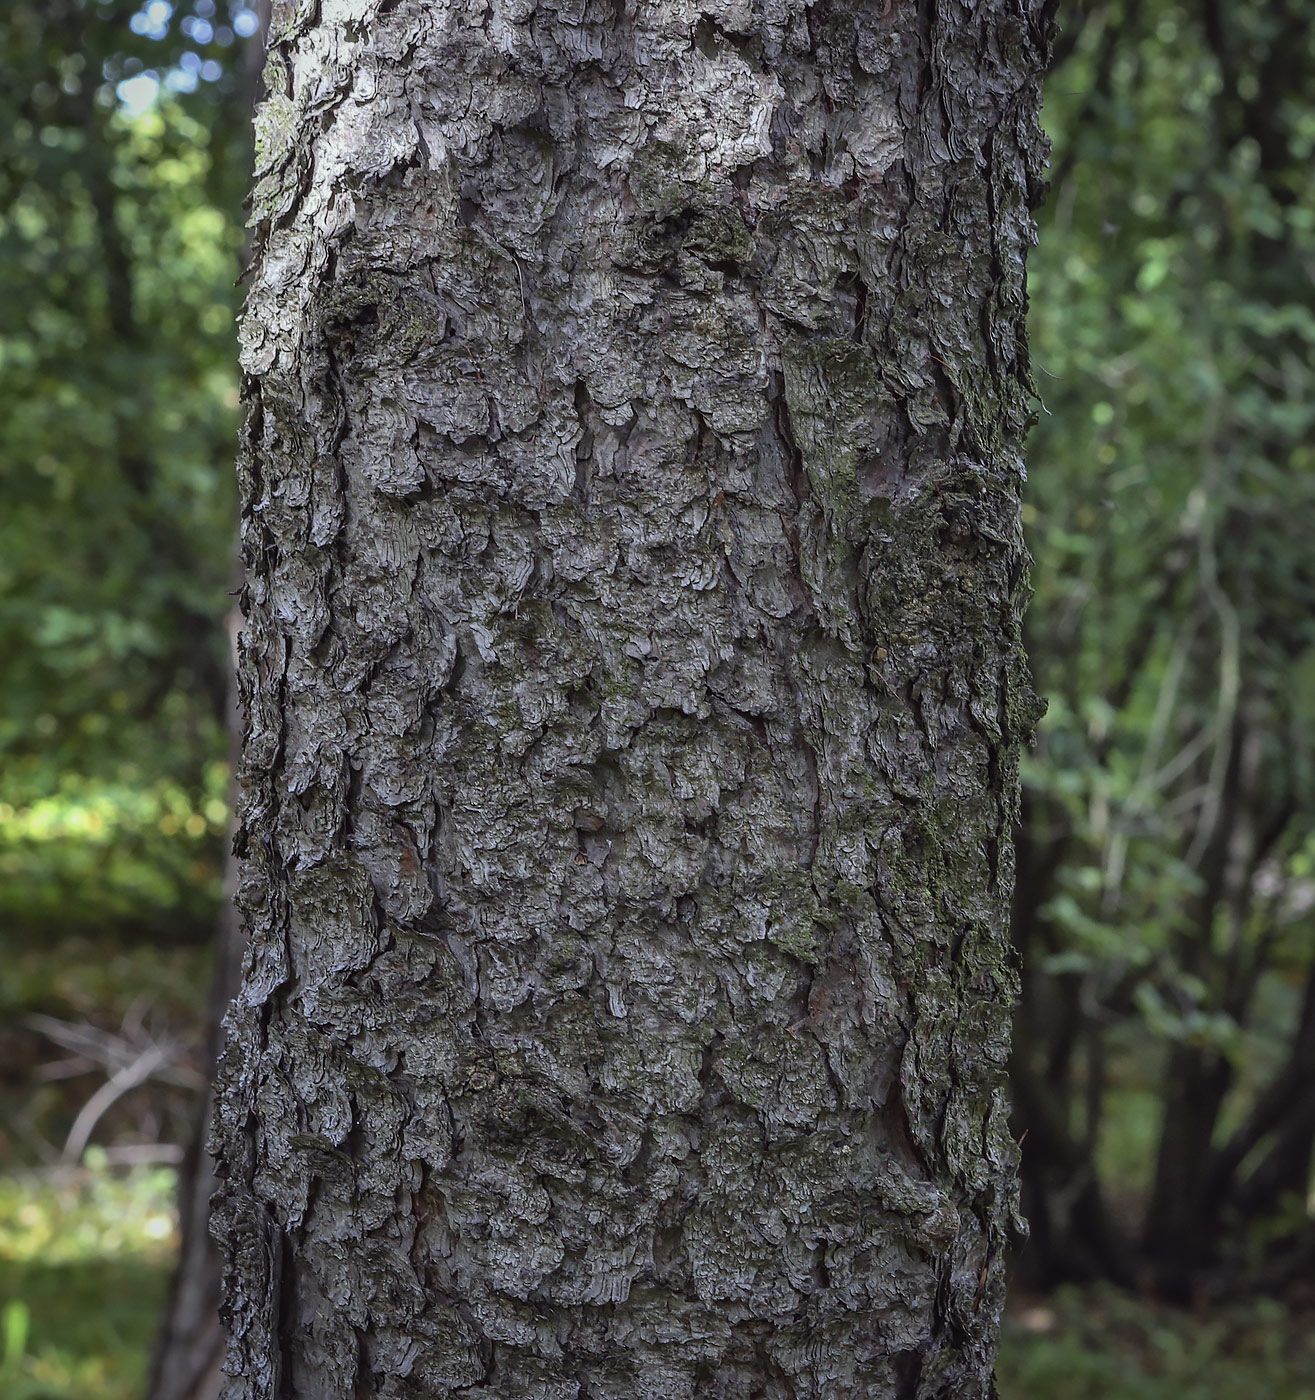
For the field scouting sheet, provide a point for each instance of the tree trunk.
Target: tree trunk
(633, 685)
(189, 1343)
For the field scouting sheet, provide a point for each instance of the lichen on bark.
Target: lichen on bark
(633, 685)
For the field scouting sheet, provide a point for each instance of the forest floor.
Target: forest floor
(86, 1252)
(85, 1258)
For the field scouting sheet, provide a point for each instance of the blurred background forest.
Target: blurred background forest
(1164, 1076)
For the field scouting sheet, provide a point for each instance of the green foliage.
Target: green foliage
(1164, 903)
(104, 851)
(84, 1260)
(1172, 488)
(120, 238)
(1100, 1345)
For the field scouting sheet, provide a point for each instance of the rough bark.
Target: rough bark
(633, 683)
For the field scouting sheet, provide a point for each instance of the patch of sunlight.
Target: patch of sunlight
(85, 1256)
(68, 1215)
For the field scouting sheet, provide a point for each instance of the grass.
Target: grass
(1096, 1344)
(85, 1258)
(84, 1263)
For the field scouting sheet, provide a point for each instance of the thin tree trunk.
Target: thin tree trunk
(189, 1342)
(189, 1345)
(633, 691)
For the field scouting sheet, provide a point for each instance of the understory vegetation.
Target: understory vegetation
(1164, 1073)
(1165, 1051)
(85, 1259)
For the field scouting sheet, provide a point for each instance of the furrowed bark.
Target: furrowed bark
(633, 685)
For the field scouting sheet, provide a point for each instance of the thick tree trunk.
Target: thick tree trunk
(633, 693)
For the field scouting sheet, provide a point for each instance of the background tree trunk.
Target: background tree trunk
(633, 689)
(189, 1343)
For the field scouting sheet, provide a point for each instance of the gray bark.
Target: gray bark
(633, 683)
